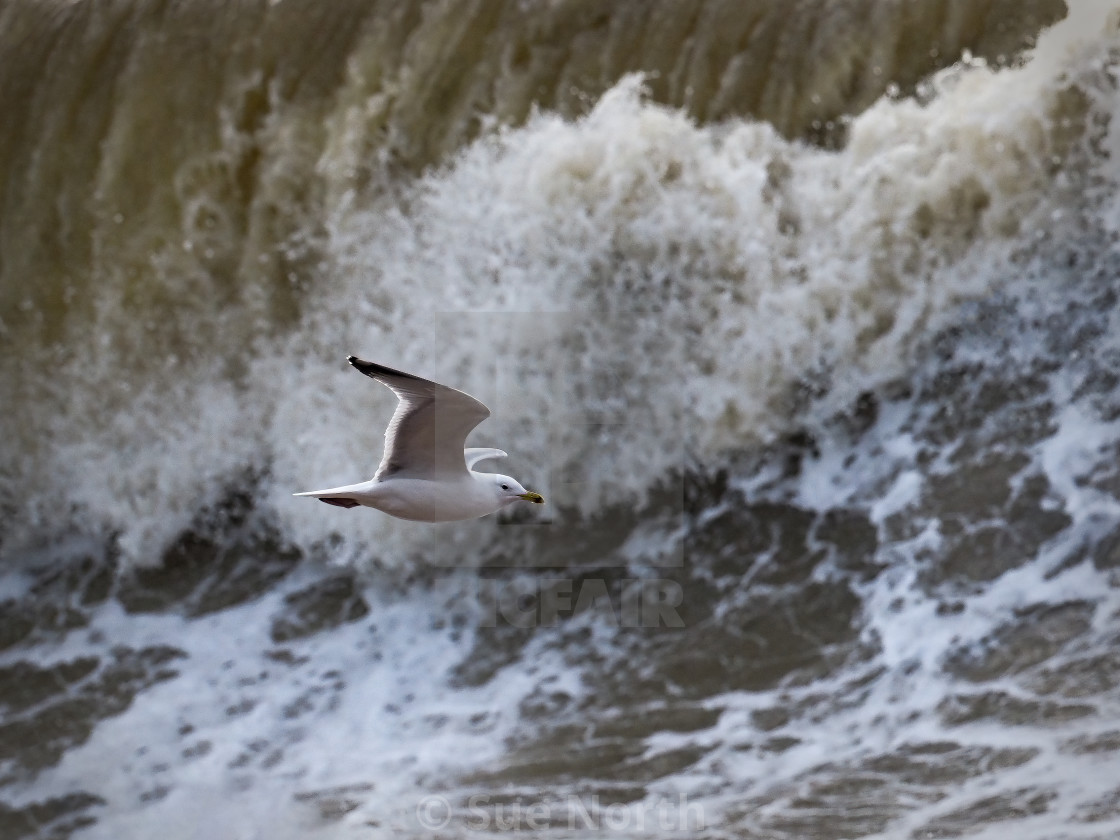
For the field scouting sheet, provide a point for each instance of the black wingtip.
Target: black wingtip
(361, 364)
(373, 369)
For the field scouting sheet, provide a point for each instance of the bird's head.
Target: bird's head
(509, 490)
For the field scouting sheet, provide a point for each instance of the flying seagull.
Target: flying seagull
(425, 474)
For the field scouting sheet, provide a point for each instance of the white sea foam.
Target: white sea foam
(399, 726)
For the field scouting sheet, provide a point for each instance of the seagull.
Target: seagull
(426, 475)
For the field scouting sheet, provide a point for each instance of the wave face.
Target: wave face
(803, 322)
(211, 235)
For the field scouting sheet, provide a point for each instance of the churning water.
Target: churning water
(804, 321)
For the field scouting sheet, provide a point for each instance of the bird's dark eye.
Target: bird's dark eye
(505, 486)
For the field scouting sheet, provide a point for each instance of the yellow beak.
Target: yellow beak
(535, 498)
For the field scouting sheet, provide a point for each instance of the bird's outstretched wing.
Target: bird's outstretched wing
(426, 436)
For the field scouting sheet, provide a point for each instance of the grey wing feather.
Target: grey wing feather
(428, 431)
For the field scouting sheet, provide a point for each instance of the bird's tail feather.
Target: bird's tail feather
(338, 496)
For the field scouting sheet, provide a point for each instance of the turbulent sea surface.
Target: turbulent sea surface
(805, 318)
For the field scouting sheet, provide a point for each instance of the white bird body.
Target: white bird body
(420, 500)
(425, 474)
